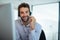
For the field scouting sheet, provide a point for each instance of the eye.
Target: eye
(21, 12)
(27, 11)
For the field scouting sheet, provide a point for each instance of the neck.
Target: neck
(25, 23)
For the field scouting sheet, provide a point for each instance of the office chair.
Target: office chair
(42, 36)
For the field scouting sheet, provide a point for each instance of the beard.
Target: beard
(25, 18)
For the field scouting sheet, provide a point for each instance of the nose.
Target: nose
(25, 14)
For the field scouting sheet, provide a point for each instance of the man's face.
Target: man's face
(24, 14)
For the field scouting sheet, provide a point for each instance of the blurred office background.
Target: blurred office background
(46, 13)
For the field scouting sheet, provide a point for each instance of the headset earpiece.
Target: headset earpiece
(30, 12)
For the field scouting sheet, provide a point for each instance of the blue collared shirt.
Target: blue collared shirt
(23, 32)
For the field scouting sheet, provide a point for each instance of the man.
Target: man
(26, 26)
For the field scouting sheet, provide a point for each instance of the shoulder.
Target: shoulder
(38, 26)
(17, 21)
(17, 24)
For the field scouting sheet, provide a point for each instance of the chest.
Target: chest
(23, 30)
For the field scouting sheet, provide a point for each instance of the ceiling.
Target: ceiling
(30, 2)
(33, 2)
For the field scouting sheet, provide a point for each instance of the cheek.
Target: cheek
(28, 14)
(21, 15)
(24, 15)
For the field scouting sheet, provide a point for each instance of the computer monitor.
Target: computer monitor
(6, 24)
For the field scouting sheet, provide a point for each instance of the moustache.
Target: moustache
(24, 17)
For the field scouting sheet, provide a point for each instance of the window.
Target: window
(47, 15)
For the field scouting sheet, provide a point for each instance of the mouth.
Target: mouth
(25, 18)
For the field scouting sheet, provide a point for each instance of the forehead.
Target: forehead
(24, 9)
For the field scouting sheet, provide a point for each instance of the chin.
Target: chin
(25, 20)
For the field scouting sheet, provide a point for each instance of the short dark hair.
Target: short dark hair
(23, 5)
